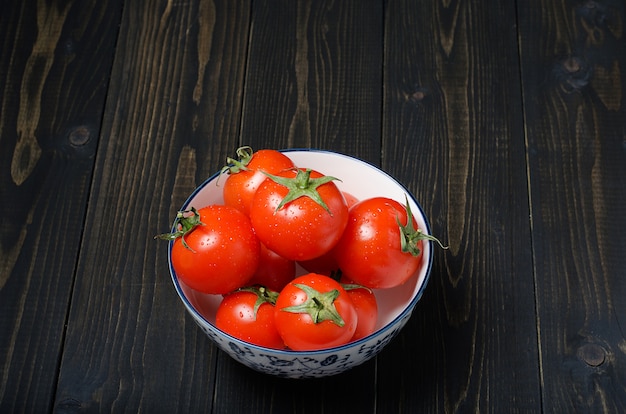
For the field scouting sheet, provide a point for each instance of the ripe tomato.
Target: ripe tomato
(215, 249)
(350, 199)
(326, 264)
(381, 246)
(314, 312)
(366, 307)
(245, 175)
(248, 314)
(299, 214)
(274, 271)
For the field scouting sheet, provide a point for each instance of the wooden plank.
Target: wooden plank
(573, 64)
(452, 132)
(308, 64)
(55, 61)
(241, 390)
(175, 96)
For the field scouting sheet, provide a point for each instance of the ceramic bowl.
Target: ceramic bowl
(362, 180)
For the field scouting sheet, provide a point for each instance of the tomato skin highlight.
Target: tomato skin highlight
(224, 252)
(369, 251)
(299, 331)
(301, 229)
(240, 187)
(235, 316)
(274, 271)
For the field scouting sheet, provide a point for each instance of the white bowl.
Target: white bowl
(362, 180)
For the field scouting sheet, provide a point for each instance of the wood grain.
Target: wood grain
(573, 62)
(452, 132)
(48, 141)
(309, 82)
(175, 97)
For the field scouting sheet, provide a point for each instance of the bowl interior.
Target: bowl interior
(358, 178)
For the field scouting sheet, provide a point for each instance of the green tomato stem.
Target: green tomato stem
(409, 237)
(319, 306)
(184, 223)
(302, 185)
(233, 166)
(263, 294)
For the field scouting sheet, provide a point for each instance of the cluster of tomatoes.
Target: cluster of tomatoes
(276, 215)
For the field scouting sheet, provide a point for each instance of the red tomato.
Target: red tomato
(300, 217)
(350, 199)
(245, 175)
(222, 251)
(249, 316)
(366, 307)
(274, 271)
(314, 312)
(371, 252)
(325, 264)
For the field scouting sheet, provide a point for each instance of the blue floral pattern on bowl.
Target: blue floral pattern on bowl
(291, 364)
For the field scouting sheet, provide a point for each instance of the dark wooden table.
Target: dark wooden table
(506, 119)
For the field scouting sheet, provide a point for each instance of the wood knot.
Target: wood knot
(79, 136)
(593, 355)
(573, 73)
(416, 95)
(593, 12)
(69, 404)
(572, 65)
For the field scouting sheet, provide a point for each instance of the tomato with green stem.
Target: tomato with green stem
(245, 174)
(248, 314)
(215, 249)
(382, 245)
(299, 214)
(314, 312)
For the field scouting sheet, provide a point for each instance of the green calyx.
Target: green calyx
(184, 224)
(409, 237)
(354, 286)
(319, 306)
(302, 185)
(234, 166)
(336, 276)
(263, 295)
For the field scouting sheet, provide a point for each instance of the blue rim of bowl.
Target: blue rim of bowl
(408, 309)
